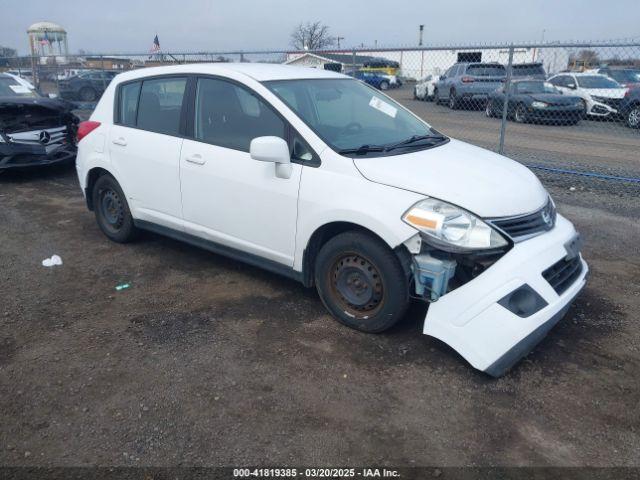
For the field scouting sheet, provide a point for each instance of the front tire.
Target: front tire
(633, 117)
(520, 115)
(361, 282)
(112, 210)
(384, 86)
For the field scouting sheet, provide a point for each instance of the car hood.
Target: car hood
(23, 113)
(606, 92)
(475, 179)
(555, 98)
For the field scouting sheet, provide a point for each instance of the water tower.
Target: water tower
(48, 39)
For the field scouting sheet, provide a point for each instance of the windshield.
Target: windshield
(625, 76)
(9, 87)
(349, 115)
(596, 81)
(535, 87)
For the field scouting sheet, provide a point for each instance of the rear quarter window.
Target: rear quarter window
(128, 104)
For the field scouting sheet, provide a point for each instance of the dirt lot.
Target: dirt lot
(206, 361)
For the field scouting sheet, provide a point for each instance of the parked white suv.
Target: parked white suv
(315, 175)
(600, 94)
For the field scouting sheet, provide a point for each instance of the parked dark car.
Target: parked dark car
(627, 77)
(378, 80)
(469, 83)
(86, 86)
(34, 130)
(630, 108)
(528, 70)
(532, 100)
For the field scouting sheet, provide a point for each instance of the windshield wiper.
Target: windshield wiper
(363, 149)
(414, 139)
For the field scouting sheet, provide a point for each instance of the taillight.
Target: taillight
(85, 128)
(467, 79)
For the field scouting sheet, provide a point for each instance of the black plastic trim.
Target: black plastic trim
(219, 249)
(539, 302)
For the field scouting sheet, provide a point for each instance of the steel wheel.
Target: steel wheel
(112, 209)
(357, 285)
(633, 117)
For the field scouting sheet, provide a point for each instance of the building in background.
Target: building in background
(48, 42)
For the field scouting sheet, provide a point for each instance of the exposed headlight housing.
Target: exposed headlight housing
(451, 228)
(539, 104)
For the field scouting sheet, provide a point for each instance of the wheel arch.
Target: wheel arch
(92, 177)
(326, 232)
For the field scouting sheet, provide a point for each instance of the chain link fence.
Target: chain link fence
(571, 112)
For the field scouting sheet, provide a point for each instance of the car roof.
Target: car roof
(258, 71)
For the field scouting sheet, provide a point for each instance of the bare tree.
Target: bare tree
(590, 57)
(311, 36)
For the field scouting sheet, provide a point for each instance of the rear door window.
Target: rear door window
(160, 105)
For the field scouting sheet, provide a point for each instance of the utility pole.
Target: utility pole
(421, 32)
(338, 40)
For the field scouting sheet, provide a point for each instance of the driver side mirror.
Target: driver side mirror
(572, 86)
(274, 150)
(443, 77)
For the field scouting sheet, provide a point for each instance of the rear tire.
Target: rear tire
(384, 86)
(87, 94)
(112, 210)
(361, 282)
(453, 100)
(488, 111)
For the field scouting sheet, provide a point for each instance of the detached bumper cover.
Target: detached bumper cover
(489, 336)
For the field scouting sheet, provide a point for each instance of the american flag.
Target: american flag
(46, 41)
(156, 45)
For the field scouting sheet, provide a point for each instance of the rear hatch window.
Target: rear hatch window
(528, 70)
(485, 70)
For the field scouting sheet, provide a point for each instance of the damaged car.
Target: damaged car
(322, 178)
(34, 130)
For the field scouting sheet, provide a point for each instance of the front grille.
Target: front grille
(562, 274)
(611, 102)
(526, 226)
(55, 136)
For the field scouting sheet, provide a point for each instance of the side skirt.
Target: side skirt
(219, 249)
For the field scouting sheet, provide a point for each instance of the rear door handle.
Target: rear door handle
(120, 141)
(195, 158)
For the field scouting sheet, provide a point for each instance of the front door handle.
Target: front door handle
(195, 158)
(120, 141)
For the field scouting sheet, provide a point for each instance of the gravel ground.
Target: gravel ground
(206, 361)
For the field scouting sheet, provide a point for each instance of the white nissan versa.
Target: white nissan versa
(316, 175)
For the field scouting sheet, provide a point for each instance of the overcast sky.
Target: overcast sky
(216, 25)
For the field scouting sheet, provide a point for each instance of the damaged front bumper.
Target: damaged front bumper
(24, 155)
(499, 316)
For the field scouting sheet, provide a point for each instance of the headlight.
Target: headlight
(451, 227)
(539, 105)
